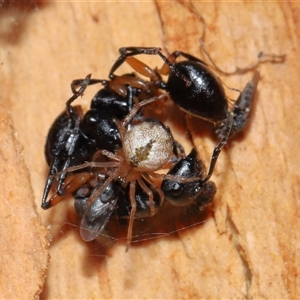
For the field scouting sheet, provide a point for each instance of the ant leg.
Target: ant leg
(132, 212)
(142, 68)
(179, 150)
(227, 126)
(132, 51)
(82, 84)
(130, 97)
(178, 153)
(76, 93)
(165, 69)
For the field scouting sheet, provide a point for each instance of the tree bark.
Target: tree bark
(248, 245)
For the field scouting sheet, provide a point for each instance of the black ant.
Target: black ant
(195, 89)
(71, 142)
(146, 147)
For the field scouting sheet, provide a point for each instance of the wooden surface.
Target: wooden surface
(249, 245)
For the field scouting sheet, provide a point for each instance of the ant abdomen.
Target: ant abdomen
(204, 97)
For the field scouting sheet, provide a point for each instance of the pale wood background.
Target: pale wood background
(249, 247)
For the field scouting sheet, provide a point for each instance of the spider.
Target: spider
(126, 162)
(146, 147)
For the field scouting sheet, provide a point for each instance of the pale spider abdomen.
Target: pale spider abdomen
(148, 146)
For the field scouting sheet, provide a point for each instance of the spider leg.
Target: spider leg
(154, 187)
(138, 105)
(64, 186)
(95, 164)
(150, 195)
(132, 212)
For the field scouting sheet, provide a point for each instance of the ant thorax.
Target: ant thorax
(147, 146)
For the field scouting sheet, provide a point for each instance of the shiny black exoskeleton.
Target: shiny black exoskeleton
(196, 90)
(95, 215)
(73, 145)
(205, 97)
(115, 198)
(75, 137)
(184, 193)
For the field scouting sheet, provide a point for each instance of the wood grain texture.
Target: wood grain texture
(249, 247)
(24, 240)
